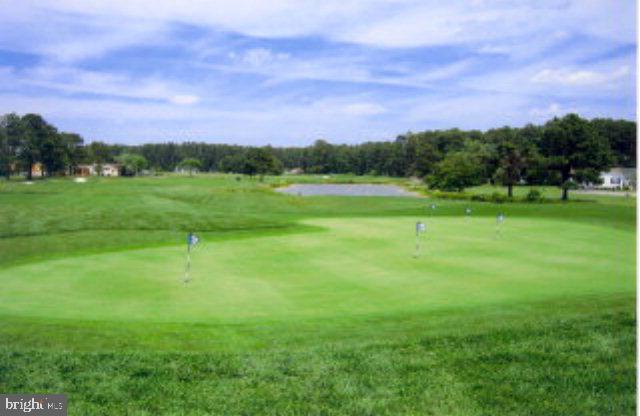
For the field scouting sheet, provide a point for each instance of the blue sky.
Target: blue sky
(289, 72)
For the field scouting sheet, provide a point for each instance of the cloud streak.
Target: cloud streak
(288, 72)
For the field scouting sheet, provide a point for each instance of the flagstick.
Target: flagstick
(187, 269)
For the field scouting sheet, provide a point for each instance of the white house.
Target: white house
(618, 178)
(108, 169)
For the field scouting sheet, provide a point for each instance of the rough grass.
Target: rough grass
(548, 329)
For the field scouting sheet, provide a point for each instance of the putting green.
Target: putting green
(355, 266)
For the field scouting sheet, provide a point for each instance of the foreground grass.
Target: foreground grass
(560, 341)
(552, 364)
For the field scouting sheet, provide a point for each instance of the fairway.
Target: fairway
(348, 267)
(313, 304)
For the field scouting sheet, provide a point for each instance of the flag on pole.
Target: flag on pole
(499, 221)
(420, 228)
(192, 240)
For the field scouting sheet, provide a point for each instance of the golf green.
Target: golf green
(350, 267)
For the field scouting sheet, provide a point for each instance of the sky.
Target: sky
(288, 72)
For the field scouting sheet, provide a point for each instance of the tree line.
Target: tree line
(563, 151)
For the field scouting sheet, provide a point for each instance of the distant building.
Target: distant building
(107, 169)
(294, 171)
(618, 178)
(37, 170)
(110, 169)
(186, 171)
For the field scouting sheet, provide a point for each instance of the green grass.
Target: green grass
(313, 305)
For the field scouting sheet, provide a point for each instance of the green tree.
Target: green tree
(190, 164)
(575, 150)
(511, 154)
(621, 135)
(458, 170)
(131, 163)
(38, 143)
(259, 161)
(12, 133)
(53, 154)
(99, 153)
(231, 163)
(74, 150)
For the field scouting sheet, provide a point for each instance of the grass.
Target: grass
(313, 305)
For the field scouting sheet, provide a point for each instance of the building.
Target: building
(111, 169)
(294, 171)
(107, 169)
(618, 178)
(37, 170)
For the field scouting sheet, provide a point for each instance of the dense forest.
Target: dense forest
(560, 152)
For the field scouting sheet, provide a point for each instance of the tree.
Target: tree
(131, 163)
(53, 154)
(575, 150)
(231, 163)
(458, 170)
(511, 154)
(5, 164)
(190, 164)
(11, 137)
(38, 138)
(74, 150)
(621, 135)
(99, 153)
(259, 161)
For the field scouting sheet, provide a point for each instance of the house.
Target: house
(294, 171)
(111, 169)
(618, 178)
(186, 171)
(85, 170)
(37, 170)
(107, 169)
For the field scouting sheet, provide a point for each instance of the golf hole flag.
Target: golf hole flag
(192, 240)
(420, 229)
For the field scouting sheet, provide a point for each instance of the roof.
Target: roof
(623, 171)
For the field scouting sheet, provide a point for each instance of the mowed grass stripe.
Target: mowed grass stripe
(357, 266)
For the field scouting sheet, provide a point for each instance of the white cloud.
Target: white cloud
(578, 77)
(185, 99)
(223, 67)
(78, 81)
(401, 23)
(363, 109)
(550, 111)
(258, 57)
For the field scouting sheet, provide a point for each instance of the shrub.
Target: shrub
(498, 198)
(534, 196)
(449, 195)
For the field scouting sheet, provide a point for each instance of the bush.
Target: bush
(479, 198)
(498, 198)
(534, 196)
(449, 195)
